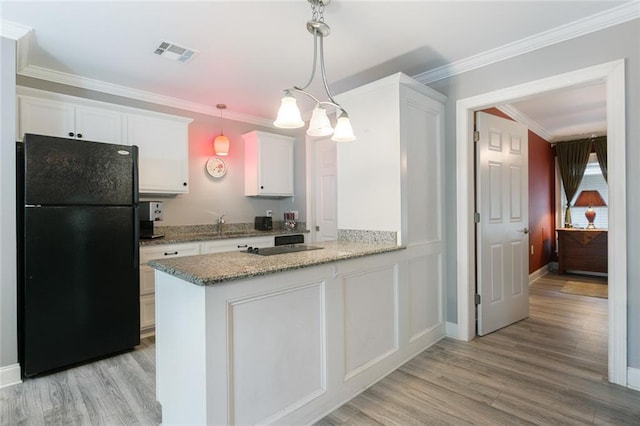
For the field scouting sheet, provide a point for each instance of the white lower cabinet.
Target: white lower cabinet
(147, 313)
(147, 281)
(163, 251)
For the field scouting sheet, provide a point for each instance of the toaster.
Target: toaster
(264, 223)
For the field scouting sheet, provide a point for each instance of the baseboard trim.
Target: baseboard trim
(147, 332)
(633, 378)
(10, 375)
(451, 330)
(539, 273)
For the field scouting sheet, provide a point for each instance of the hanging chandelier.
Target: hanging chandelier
(289, 116)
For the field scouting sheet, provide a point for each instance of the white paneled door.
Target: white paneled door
(502, 238)
(326, 186)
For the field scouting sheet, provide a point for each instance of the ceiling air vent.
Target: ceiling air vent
(174, 52)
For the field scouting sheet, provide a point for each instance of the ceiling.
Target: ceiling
(247, 52)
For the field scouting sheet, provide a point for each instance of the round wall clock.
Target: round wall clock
(216, 167)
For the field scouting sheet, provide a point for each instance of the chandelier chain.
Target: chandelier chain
(317, 11)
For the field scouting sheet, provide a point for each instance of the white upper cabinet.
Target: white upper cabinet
(163, 153)
(65, 120)
(268, 165)
(162, 139)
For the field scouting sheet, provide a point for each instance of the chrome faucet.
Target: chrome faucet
(220, 222)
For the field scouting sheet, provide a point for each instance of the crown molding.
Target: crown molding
(13, 30)
(521, 117)
(614, 16)
(626, 12)
(23, 36)
(141, 95)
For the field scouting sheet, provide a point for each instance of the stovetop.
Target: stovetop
(289, 248)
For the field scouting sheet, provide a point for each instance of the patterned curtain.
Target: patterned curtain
(600, 146)
(572, 160)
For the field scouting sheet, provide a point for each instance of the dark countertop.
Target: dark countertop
(208, 269)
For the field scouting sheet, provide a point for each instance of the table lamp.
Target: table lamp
(590, 199)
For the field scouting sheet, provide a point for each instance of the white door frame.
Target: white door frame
(612, 74)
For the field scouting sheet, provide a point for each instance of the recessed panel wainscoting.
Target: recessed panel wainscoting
(548, 369)
(287, 348)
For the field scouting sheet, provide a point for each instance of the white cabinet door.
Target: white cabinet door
(99, 125)
(45, 117)
(147, 277)
(67, 120)
(147, 312)
(163, 153)
(268, 164)
(147, 282)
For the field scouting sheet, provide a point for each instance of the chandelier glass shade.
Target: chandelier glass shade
(289, 116)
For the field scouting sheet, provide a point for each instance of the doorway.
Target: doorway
(612, 75)
(322, 189)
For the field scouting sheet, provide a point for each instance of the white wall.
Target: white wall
(8, 313)
(621, 41)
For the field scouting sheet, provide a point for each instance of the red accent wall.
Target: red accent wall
(542, 199)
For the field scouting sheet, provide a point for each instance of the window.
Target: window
(592, 179)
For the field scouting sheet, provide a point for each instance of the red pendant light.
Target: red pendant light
(221, 142)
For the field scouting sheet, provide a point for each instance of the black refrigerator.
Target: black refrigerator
(78, 266)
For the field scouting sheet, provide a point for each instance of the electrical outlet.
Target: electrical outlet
(269, 213)
(532, 249)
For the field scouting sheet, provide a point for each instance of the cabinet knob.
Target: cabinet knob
(184, 183)
(71, 134)
(79, 135)
(261, 187)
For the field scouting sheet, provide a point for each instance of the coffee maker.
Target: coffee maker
(149, 212)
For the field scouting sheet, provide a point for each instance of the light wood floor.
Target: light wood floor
(549, 369)
(113, 391)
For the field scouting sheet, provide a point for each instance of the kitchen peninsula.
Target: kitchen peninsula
(247, 339)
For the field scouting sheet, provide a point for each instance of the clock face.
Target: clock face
(216, 167)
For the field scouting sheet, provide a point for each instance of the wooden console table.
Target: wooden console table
(582, 249)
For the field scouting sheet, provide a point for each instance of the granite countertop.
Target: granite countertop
(208, 269)
(176, 238)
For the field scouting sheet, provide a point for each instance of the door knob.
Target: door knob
(524, 230)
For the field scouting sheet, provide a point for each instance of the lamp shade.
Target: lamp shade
(590, 198)
(319, 124)
(344, 131)
(288, 115)
(221, 145)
